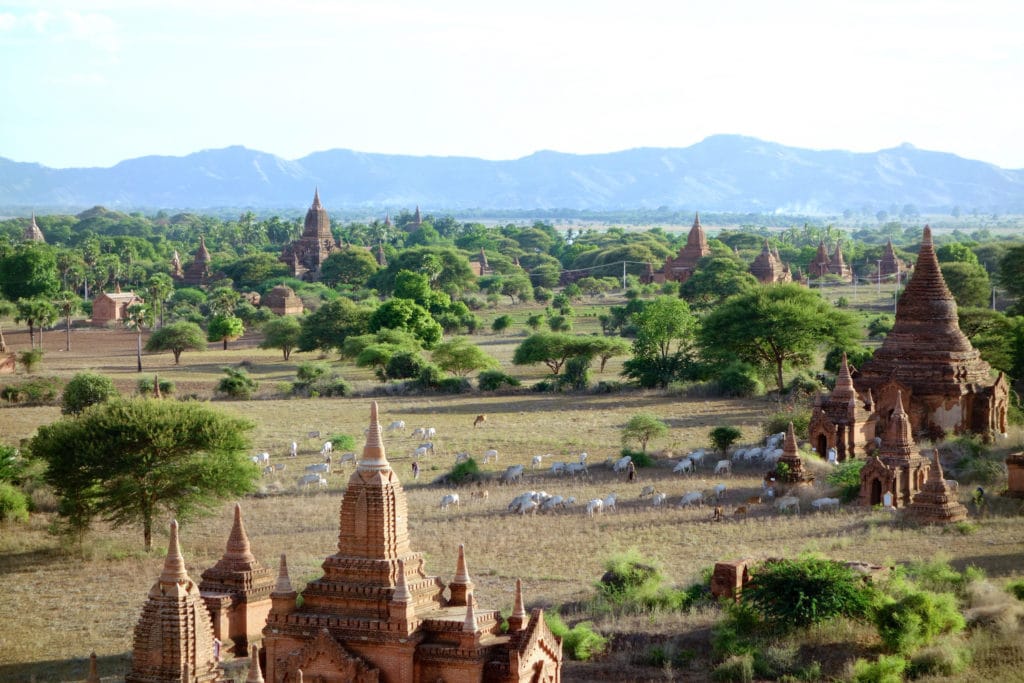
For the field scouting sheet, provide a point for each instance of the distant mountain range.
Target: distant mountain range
(725, 173)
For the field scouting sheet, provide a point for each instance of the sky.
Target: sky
(93, 82)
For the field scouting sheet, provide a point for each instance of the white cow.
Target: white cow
(294, 450)
(537, 461)
(621, 464)
(328, 447)
(659, 499)
(692, 498)
(431, 432)
(647, 491)
(308, 480)
(262, 459)
(609, 502)
(684, 465)
(347, 457)
(490, 454)
(396, 425)
(319, 468)
(583, 458)
(449, 500)
(419, 433)
(461, 457)
(512, 473)
(697, 456)
(558, 468)
(719, 491)
(594, 506)
(788, 504)
(822, 504)
(575, 468)
(723, 467)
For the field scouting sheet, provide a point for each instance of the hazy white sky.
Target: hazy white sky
(92, 82)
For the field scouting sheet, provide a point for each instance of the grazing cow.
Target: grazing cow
(421, 452)
(279, 466)
(754, 500)
(594, 506)
(583, 458)
(480, 419)
(328, 447)
(953, 485)
(558, 468)
(308, 480)
(659, 499)
(396, 425)
(294, 450)
(347, 457)
(449, 500)
(740, 511)
(537, 461)
(490, 454)
(262, 459)
(319, 468)
(419, 433)
(788, 504)
(431, 432)
(575, 468)
(822, 504)
(723, 467)
(621, 464)
(719, 491)
(684, 465)
(647, 491)
(692, 498)
(481, 494)
(268, 470)
(461, 457)
(512, 473)
(609, 502)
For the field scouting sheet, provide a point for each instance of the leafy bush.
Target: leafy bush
(855, 356)
(492, 380)
(916, 619)
(634, 583)
(881, 326)
(846, 477)
(40, 391)
(803, 384)
(560, 323)
(888, 669)
(796, 593)
(317, 379)
(237, 384)
(981, 470)
(11, 465)
(13, 503)
(145, 387)
(343, 442)
(723, 437)
(453, 385)
(736, 669)
(30, 359)
(640, 458)
(403, 365)
(501, 323)
(739, 379)
(779, 422)
(1016, 589)
(735, 632)
(944, 659)
(464, 472)
(581, 641)
(84, 390)
(430, 377)
(938, 576)
(575, 375)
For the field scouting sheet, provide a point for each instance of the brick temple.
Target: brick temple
(822, 264)
(196, 273)
(681, 267)
(377, 615)
(32, 232)
(305, 255)
(768, 267)
(890, 264)
(945, 384)
(842, 420)
(897, 468)
(936, 502)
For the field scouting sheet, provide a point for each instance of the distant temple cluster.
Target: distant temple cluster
(374, 616)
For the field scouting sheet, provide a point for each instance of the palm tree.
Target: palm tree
(159, 289)
(137, 317)
(67, 303)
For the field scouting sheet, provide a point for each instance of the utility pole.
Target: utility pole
(623, 276)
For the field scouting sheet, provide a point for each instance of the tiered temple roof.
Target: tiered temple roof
(680, 268)
(890, 263)
(936, 503)
(305, 255)
(897, 468)
(842, 420)
(792, 471)
(173, 637)
(927, 358)
(32, 232)
(198, 272)
(769, 268)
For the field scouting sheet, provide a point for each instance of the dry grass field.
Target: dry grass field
(59, 606)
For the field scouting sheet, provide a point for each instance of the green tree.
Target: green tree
(643, 427)
(36, 313)
(1011, 274)
(403, 314)
(606, 348)
(177, 337)
(351, 266)
(461, 357)
(550, 348)
(281, 333)
(159, 288)
(223, 300)
(723, 437)
(67, 304)
(330, 325)
(663, 346)
(7, 310)
(773, 326)
(969, 282)
(955, 252)
(715, 279)
(132, 460)
(501, 323)
(225, 328)
(137, 317)
(29, 272)
(86, 389)
(250, 272)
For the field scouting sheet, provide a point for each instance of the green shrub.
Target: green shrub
(342, 442)
(916, 619)
(739, 379)
(575, 375)
(11, 466)
(237, 384)
(38, 391)
(317, 379)
(454, 385)
(581, 641)
(30, 359)
(404, 365)
(796, 593)
(846, 477)
(429, 378)
(881, 326)
(779, 422)
(775, 661)
(856, 356)
(888, 669)
(937, 576)
(736, 630)
(1016, 589)
(145, 387)
(804, 384)
(492, 380)
(737, 669)
(464, 472)
(309, 372)
(640, 459)
(982, 470)
(501, 323)
(944, 659)
(84, 390)
(13, 503)
(723, 437)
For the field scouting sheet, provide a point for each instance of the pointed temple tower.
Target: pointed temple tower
(176, 271)
(237, 592)
(33, 233)
(768, 268)
(305, 255)
(198, 272)
(946, 384)
(838, 265)
(891, 264)
(417, 221)
(376, 615)
(898, 468)
(819, 265)
(680, 268)
(792, 471)
(936, 503)
(842, 420)
(174, 638)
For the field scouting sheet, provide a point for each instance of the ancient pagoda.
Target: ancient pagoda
(237, 592)
(680, 268)
(305, 255)
(33, 233)
(936, 503)
(768, 268)
(790, 467)
(946, 384)
(197, 273)
(376, 615)
(174, 638)
(282, 300)
(842, 420)
(890, 264)
(897, 468)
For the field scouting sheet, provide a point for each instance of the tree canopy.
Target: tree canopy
(281, 333)
(404, 314)
(177, 337)
(461, 357)
(774, 326)
(662, 348)
(643, 427)
(327, 327)
(128, 461)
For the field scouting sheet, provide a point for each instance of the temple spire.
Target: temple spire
(844, 389)
(94, 676)
(238, 541)
(517, 619)
(402, 593)
(316, 197)
(935, 471)
(284, 583)
(255, 673)
(470, 623)
(374, 457)
(461, 586)
(174, 563)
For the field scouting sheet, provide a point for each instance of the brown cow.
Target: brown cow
(479, 419)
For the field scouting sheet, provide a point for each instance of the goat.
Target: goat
(449, 500)
(740, 511)
(262, 459)
(953, 485)
(268, 470)
(480, 419)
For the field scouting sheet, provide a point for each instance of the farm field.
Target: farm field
(60, 606)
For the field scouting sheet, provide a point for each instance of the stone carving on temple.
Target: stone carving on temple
(305, 255)
(926, 358)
